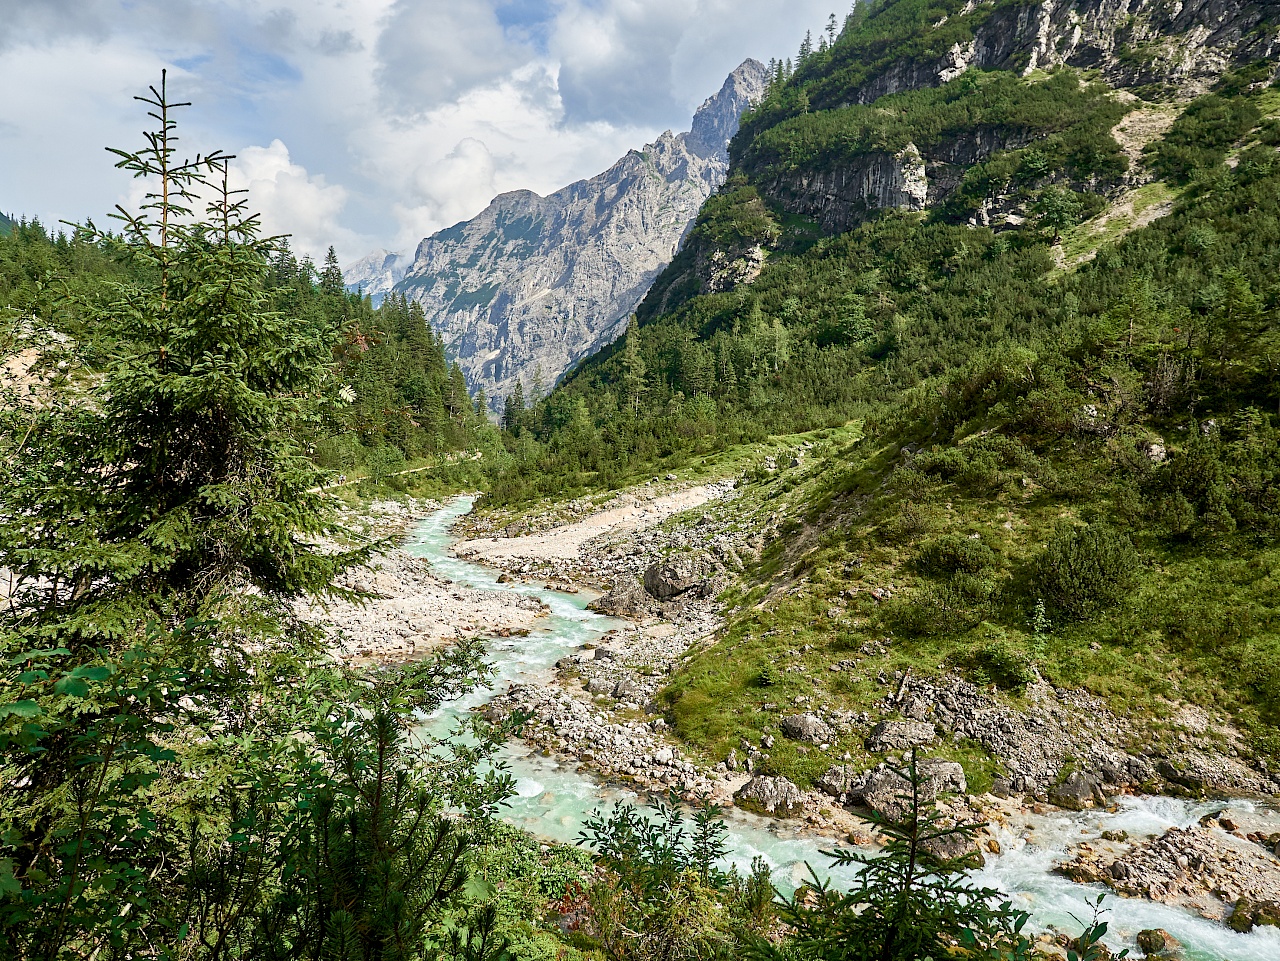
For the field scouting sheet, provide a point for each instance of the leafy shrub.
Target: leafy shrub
(930, 612)
(953, 554)
(1001, 665)
(981, 464)
(1085, 569)
(910, 522)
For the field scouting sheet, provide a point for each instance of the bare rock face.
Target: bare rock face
(1187, 45)
(775, 796)
(376, 274)
(534, 284)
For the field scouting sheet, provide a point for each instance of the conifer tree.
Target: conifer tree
(331, 276)
(634, 370)
(178, 515)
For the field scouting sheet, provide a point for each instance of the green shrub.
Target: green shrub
(1085, 569)
(997, 663)
(1200, 137)
(983, 463)
(953, 554)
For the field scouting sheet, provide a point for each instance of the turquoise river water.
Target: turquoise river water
(553, 798)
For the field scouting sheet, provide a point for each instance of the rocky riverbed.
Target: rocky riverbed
(662, 555)
(408, 611)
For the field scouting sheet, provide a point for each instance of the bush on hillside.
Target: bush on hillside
(1085, 569)
(953, 554)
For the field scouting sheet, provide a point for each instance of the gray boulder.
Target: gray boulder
(625, 688)
(672, 578)
(806, 727)
(888, 793)
(775, 796)
(951, 847)
(627, 599)
(600, 685)
(896, 735)
(1076, 792)
(840, 781)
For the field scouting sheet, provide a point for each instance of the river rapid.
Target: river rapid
(553, 799)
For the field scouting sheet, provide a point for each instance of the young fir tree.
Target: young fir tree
(177, 771)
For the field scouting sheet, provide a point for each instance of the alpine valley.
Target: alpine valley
(887, 566)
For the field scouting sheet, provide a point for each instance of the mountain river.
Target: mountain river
(552, 798)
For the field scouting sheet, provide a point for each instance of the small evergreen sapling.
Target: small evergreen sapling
(906, 903)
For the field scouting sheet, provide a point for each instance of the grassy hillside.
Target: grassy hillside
(1050, 398)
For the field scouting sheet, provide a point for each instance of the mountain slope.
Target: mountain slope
(1029, 317)
(533, 284)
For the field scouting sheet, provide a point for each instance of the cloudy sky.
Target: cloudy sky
(365, 123)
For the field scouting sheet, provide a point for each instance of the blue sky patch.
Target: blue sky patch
(528, 20)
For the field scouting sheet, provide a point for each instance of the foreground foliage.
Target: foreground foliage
(183, 770)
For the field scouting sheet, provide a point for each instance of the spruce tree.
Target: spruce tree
(331, 276)
(157, 521)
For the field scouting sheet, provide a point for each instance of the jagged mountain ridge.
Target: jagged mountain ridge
(533, 284)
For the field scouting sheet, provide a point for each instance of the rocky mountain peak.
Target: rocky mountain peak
(716, 121)
(376, 274)
(532, 284)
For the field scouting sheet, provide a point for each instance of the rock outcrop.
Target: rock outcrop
(1215, 872)
(533, 284)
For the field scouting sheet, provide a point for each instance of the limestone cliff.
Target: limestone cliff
(533, 283)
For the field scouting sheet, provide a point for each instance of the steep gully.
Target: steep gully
(552, 798)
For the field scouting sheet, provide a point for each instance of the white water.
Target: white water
(553, 799)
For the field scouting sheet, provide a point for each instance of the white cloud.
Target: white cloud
(400, 116)
(292, 201)
(434, 51)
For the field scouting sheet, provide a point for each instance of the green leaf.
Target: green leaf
(21, 709)
(92, 673)
(8, 883)
(478, 889)
(72, 687)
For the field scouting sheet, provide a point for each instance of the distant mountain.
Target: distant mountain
(6, 224)
(533, 284)
(375, 274)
